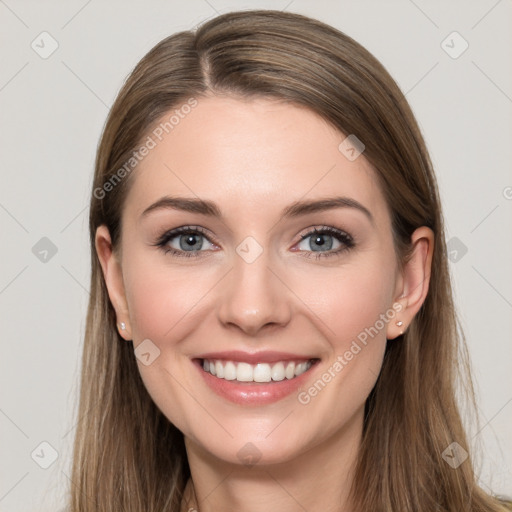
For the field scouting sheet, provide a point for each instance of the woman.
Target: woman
(271, 319)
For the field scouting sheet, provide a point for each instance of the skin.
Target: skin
(253, 158)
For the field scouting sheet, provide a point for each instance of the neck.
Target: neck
(318, 479)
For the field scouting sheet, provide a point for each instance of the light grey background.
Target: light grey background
(53, 111)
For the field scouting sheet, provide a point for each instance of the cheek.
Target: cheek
(162, 300)
(362, 301)
(355, 309)
(350, 302)
(165, 306)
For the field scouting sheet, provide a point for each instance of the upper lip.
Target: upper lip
(255, 357)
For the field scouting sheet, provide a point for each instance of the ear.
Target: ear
(113, 276)
(413, 284)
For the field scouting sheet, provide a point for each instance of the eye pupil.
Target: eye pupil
(190, 242)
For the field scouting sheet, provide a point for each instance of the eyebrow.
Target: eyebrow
(296, 209)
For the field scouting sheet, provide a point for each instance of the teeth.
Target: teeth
(261, 372)
(289, 373)
(277, 372)
(230, 371)
(244, 372)
(300, 368)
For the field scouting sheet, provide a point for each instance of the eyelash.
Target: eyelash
(341, 236)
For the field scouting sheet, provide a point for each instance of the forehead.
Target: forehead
(250, 156)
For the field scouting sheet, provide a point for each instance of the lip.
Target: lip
(238, 356)
(254, 393)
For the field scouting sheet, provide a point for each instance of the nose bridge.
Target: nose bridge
(253, 296)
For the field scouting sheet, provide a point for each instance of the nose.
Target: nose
(254, 297)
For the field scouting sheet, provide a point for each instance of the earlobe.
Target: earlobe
(112, 274)
(397, 326)
(415, 279)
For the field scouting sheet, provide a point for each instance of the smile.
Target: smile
(255, 379)
(259, 372)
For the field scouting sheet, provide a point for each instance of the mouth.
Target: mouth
(259, 372)
(254, 379)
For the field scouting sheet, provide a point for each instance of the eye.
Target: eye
(190, 241)
(184, 241)
(323, 240)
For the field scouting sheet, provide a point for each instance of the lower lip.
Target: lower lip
(253, 393)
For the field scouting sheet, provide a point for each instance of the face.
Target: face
(268, 282)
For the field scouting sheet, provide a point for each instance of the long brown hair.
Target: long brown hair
(127, 455)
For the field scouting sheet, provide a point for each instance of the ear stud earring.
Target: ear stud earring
(122, 326)
(400, 323)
